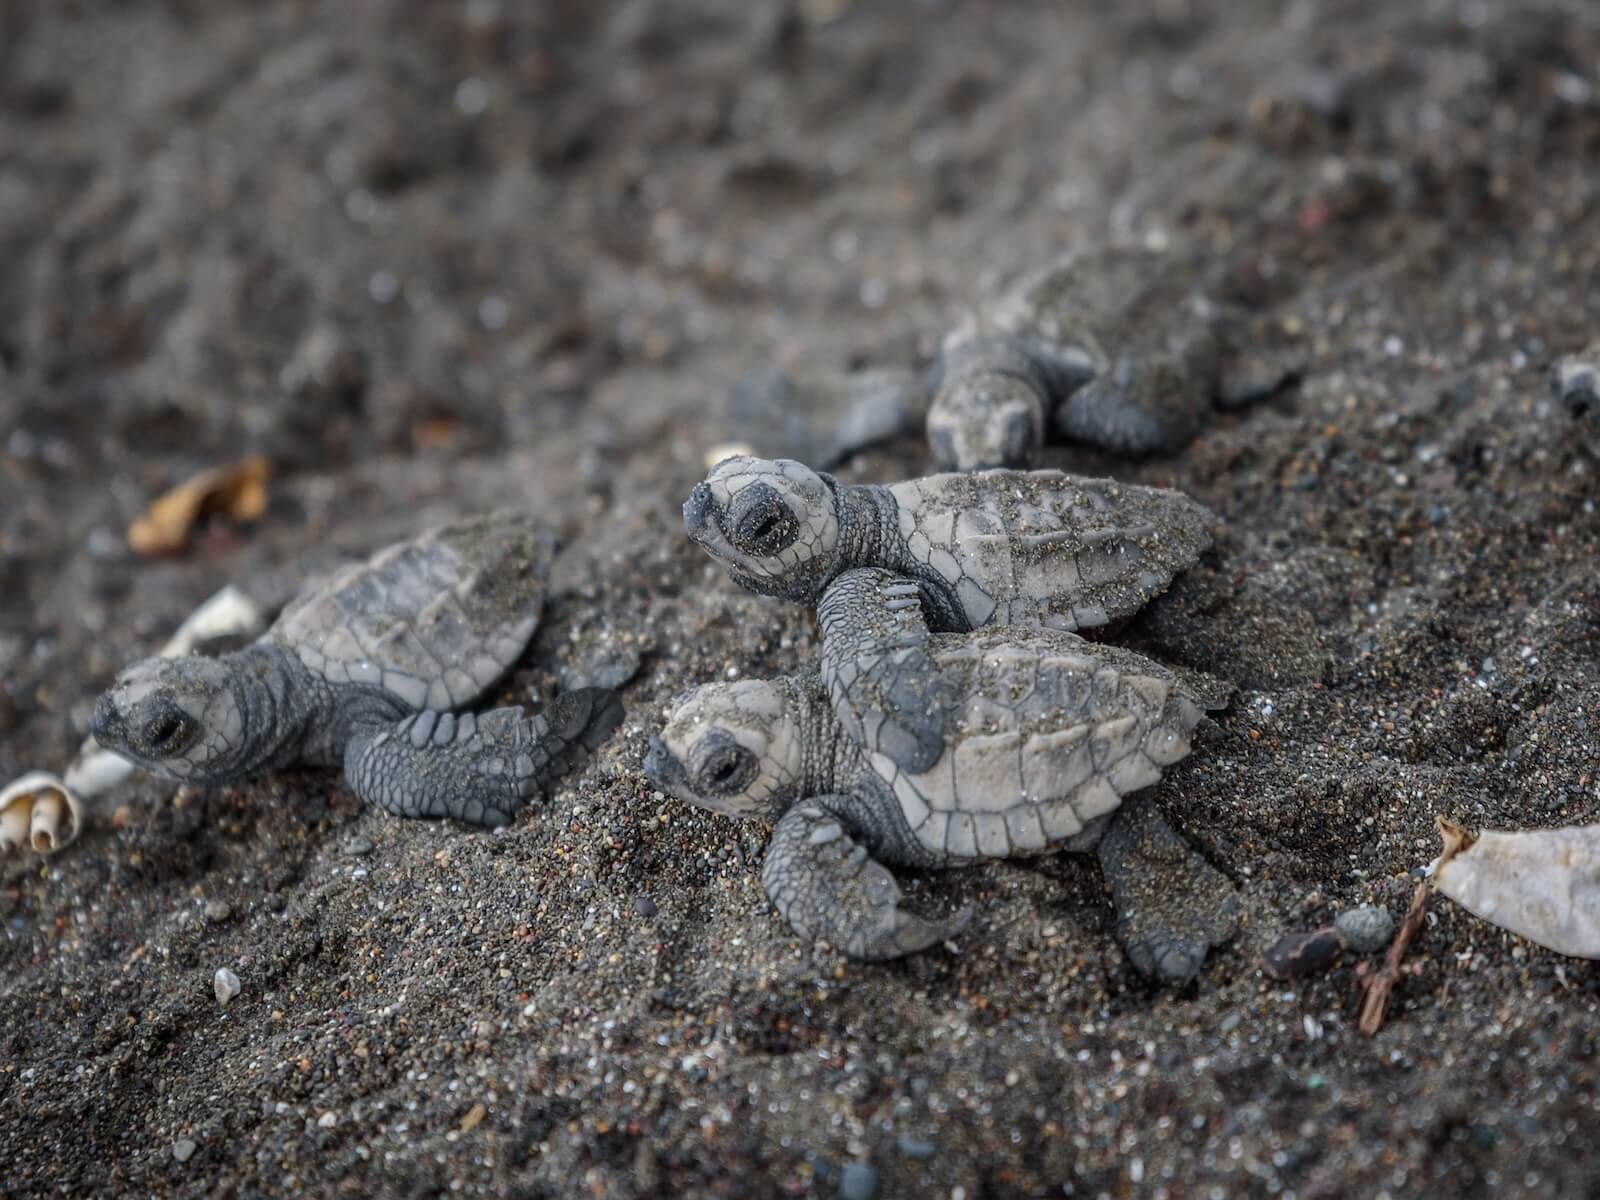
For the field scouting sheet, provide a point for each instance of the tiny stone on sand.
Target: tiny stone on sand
(1365, 930)
(858, 1181)
(226, 984)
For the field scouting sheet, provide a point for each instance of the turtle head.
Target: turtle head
(1576, 384)
(772, 523)
(734, 748)
(176, 717)
(985, 419)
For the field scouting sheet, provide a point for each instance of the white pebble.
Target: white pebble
(472, 96)
(383, 286)
(492, 313)
(226, 984)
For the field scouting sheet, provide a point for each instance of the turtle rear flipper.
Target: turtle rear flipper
(827, 886)
(1172, 905)
(480, 769)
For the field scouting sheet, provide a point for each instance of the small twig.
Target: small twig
(1379, 986)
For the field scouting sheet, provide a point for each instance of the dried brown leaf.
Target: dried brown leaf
(238, 492)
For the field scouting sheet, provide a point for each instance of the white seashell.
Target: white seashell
(44, 812)
(1543, 884)
(724, 450)
(228, 613)
(38, 811)
(96, 770)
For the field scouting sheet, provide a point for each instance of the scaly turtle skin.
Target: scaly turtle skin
(1041, 736)
(987, 548)
(1116, 347)
(364, 670)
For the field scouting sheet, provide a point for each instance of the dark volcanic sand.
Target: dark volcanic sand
(434, 257)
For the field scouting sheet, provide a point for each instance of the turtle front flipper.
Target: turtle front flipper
(1257, 359)
(1152, 405)
(482, 769)
(827, 886)
(824, 419)
(885, 689)
(1172, 905)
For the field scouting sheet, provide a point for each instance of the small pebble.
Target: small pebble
(218, 911)
(858, 1181)
(1296, 955)
(357, 847)
(913, 1147)
(183, 1149)
(226, 984)
(1365, 930)
(327, 1121)
(644, 906)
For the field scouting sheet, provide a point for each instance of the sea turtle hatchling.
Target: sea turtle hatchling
(994, 547)
(1575, 383)
(1042, 736)
(1115, 347)
(366, 669)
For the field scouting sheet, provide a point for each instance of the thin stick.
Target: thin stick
(1380, 985)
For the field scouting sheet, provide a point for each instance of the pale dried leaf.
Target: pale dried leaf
(1543, 884)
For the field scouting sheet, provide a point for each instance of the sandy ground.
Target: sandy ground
(430, 258)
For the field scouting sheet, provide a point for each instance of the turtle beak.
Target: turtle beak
(697, 511)
(106, 724)
(663, 769)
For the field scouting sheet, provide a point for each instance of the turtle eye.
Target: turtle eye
(762, 523)
(728, 771)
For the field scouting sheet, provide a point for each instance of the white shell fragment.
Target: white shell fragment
(44, 812)
(229, 613)
(226, 985)
(724, 450)
(1543, 884)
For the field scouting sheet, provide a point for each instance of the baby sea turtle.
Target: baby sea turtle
(986, 548)
(364, 670)
(1110, 347)
(1576, 384)
(1041, 736)
(1116, 347)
